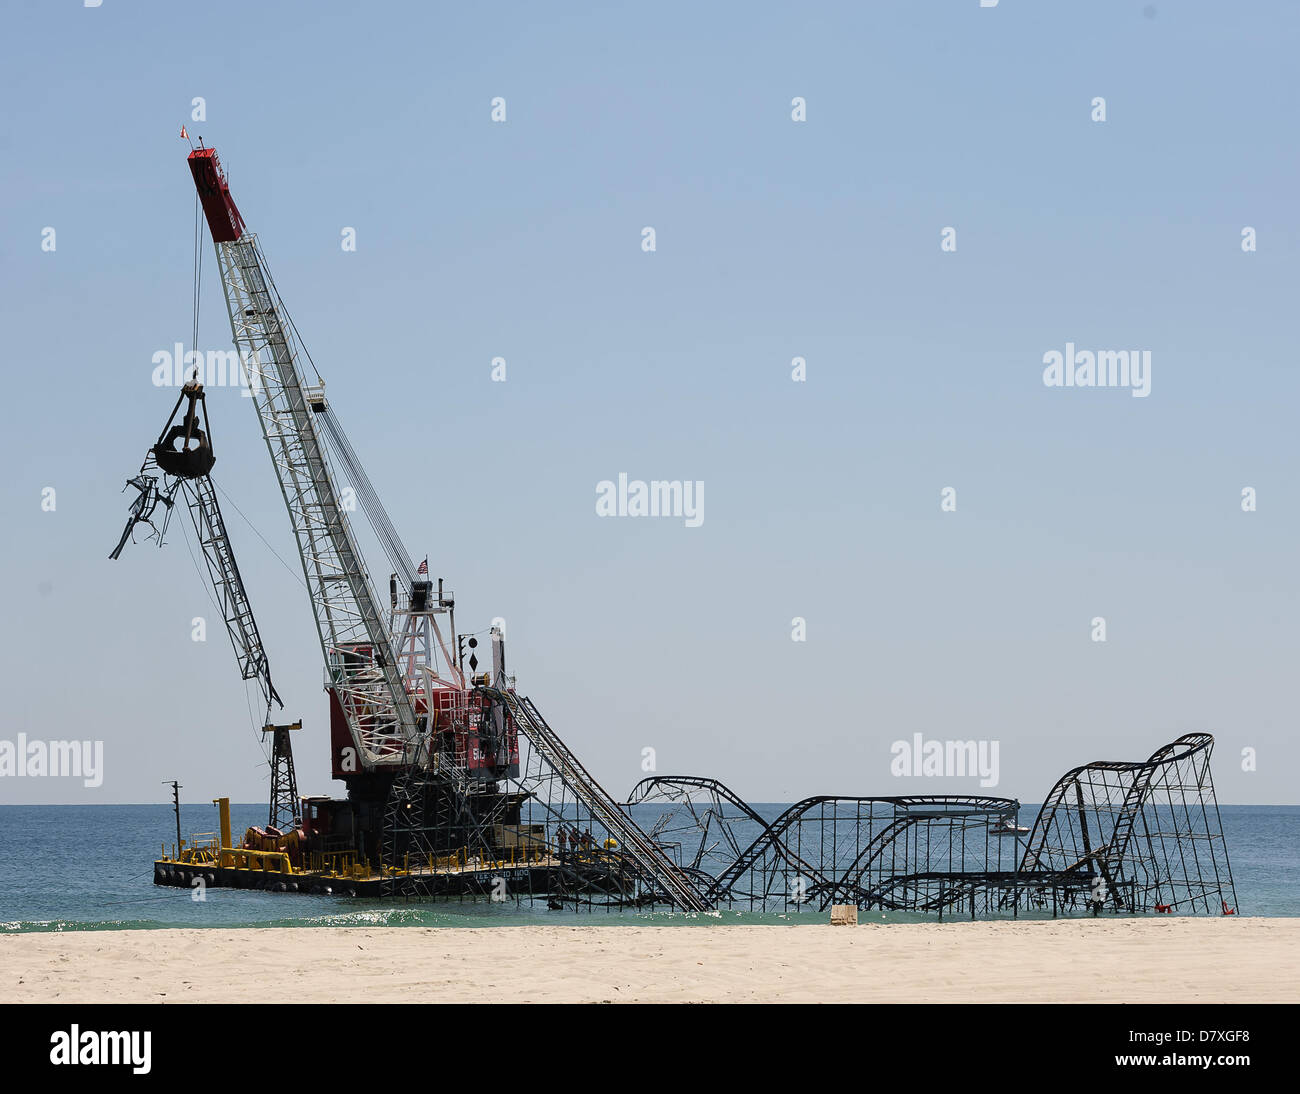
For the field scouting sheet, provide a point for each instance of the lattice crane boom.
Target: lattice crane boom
(183, 458)
(362, 668)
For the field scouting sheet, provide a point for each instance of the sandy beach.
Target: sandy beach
(1141, 961)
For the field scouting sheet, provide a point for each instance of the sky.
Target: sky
(774, 239)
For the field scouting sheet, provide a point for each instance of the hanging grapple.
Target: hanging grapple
(194, 457)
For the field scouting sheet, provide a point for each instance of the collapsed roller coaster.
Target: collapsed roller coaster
(1133, 837)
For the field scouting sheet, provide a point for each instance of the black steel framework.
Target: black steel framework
(1139, 837)
(1134, 837)
(285, 812)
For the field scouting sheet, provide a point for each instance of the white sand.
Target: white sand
(1144, 960)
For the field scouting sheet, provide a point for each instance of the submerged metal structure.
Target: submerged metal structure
(1132, 837)
(917, 852)
(1138, 837)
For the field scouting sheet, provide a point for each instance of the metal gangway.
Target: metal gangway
(639, 847)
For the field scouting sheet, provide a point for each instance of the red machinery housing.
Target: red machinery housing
(214, 194)
(483, 752)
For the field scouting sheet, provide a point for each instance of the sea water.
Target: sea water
(91, 868)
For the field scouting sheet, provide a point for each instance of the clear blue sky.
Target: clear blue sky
(775, 239)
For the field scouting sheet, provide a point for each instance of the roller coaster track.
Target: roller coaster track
(659, 784)
(1112, 854)
(1142, 772)
(879, 897)
(923, 808)
(770, 840)
(1087, 833)
(682, 787)
(920, 809)
(842, 888)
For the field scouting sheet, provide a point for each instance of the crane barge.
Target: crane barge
(438, 799)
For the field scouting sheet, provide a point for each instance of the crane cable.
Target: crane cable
(343, 450)
(295, 574)
(207, 589)
(198, 272)
(282, 310)
(369, 498)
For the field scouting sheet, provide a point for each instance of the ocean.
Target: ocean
(66, 868)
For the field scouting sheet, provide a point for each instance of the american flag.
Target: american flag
(423, 568)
